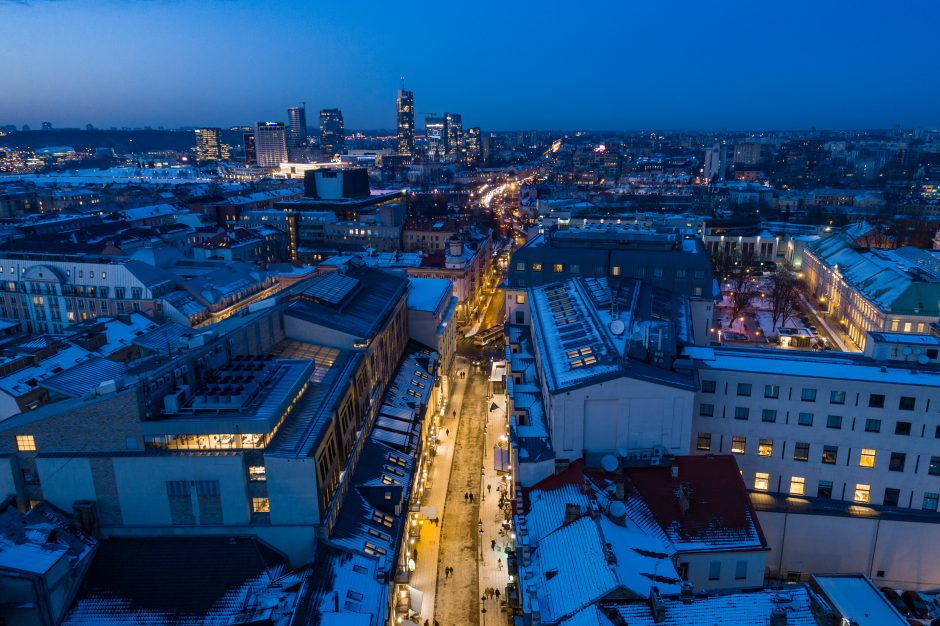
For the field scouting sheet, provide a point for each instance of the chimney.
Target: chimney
(685, 594)
(656, 605)
(572, 512)
(778, 616)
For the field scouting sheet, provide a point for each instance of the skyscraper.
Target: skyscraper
(296, 132)
(251, 156)
(473, 146)
(270, 144)
(453, 130)
(435, 131)
(406, 123)
(332, 132)
(208, 144)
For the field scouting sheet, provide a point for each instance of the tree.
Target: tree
(784, 294)
(733, 268)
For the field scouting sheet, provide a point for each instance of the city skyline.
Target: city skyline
(618, 68)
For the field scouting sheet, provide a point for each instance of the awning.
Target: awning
(501, 459)
(416, 597)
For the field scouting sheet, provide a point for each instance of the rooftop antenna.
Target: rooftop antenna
(402, 82)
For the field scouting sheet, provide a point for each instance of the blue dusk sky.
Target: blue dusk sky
(655, 64)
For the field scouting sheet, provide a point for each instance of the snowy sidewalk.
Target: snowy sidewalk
(493, 570)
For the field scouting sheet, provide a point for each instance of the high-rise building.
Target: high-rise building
(747, 153)
(270, 144)
(208, 144)
(296, 132)
(712, 164)
(406, 123)
(332, 132)
(435, 131)
(453, 131)
(473, 146)
(251, 155)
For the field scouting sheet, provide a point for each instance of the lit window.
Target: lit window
(862, 493)
(558, 268)
(761, 481)
(615, 270)
(797, 485)
(536, 267)
(704, 441)
(520, 299)
(257, 472)
(738, 443)
(765, 447)
(260, 505)
(867, 458)
(25, 443)
(830, 454)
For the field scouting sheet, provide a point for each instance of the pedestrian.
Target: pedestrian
(492, 544)
(447, 430)
(455, 414)
(427, 623)
(471, 498)
(489, 488)
(499, 563)
(466, 496)
(497, 593)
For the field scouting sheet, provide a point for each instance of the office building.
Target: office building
(208, 144)
(406, 123)
(332, 132)
(296, 133)
(453, 131)
(473, 147)
(270, 144)
(712, 164)
(436, 137)
(747, 153)
(251, 155)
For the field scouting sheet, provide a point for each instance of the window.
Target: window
(520, 267)
(896, 462)
(740, 570)
(741, 412)
(708, 386)
(801, 451)
(738, 443)
(520, 298)
(761, 481)
(615, 270)
(805, 419)
(834, 421)
(768, 415)
(797, 485)
(825, 489)
(872, 426)
(706, 410)
(558, 268)
(934, 468)
(744, 389)
(930, 501)
(574, 268)
(704, 441)
(808, 395)
(683, 571)
(876, 400)
(714, 570)
(867, 458)
(830, 454)
(772, 391)
(902, 428)
(892, 496)
(906, 403)
(260, 505)
(536, 267)
(257, 472)
(837, 397)
(25, 443)
(862, 493)
(765, 447)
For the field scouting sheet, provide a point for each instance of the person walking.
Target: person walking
(466, 496)
(489, 488)
(497, 594)
(499, 563)
(471, 498)
(493, 544)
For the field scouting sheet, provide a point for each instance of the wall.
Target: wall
(700, 563)
(891, 552)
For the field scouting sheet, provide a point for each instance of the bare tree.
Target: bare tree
(784, 294)
(733, 268)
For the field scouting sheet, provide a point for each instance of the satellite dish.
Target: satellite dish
(906, 351)
(609, 463)
(618, 508)
(922, 359)
(617, 327)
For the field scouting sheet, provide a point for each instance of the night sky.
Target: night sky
(504, 65)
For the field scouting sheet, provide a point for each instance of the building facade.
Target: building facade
(270, 144)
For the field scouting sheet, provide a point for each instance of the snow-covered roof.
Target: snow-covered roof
(426, 294)
(857, 600)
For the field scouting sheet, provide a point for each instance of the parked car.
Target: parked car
(916, 604)
(895, 599)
